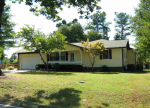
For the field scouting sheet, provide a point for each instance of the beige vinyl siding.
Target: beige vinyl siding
(131, 57)
(116, 60)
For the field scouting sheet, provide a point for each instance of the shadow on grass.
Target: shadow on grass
(105, 72)
(68, 97)
(47, 73)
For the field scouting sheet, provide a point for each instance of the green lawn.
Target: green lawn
(62, 89)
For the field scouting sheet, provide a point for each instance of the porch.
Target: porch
(65, 57)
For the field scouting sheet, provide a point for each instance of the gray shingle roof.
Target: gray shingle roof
(23, 51)
(107, 43)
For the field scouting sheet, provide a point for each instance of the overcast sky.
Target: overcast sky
(22, 16)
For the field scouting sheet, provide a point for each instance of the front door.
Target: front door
(72, 57)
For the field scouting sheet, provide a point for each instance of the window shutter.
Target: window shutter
(66, 56)
(101, 56)
(110, 54)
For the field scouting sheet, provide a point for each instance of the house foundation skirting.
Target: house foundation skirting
(97, 69)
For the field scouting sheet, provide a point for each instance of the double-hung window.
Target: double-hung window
(107, 54)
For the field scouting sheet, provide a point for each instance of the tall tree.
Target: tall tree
(141, 28)
(123, 25)
(99, 24)
(93, 35)
(64, 22)
(36, 40)
(7, 33)
(74, 33)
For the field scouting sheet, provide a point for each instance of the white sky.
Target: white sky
(22, 16)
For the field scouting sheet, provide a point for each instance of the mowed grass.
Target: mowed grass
(63, 90)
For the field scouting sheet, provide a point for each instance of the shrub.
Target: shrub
(37, 67)
(56, 66)
(62, 67)
(10, 68)
(130, 67)
(105, 68)
(139, 67)
(42, 66)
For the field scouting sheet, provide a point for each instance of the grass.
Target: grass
(62, 89)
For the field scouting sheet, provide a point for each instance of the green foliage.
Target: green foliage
(51, 8)
(56, 66)
(141, 28)
(123, 26)
(105, 68)
(6, 60)
(74, 33)
(10, 68)
(37, 67)
(63, 22)
(92, 50)
(13, 58)
(93, 35)
(36, 40)
(7, 33)
(99, 24)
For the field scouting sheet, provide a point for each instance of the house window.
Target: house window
(107, 54)
(72, 57)
(63, 56)
(54, 57)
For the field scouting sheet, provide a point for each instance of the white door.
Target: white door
(29, 62)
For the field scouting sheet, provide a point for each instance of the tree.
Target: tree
(74, 33)
(64, 22)
(99, 24)
(51, 8)
(92, 50)
(36, 40)
(12, 58)
(123, 25)
(7, 33)
(141, 29)
(93, 35)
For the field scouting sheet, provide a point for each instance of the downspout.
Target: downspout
(122, 59)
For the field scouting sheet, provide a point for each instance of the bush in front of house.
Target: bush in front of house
(105, 68)
(37, 67)
(62, 67)
(131, 67)
(10, 68)
(42, 66)
(77, 68)
(56, 66)
(139, 67)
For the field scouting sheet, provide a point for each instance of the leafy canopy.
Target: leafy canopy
(92, 50)
(74, 33)
(50, 8)
(36, 40)
(141, 28)
(123, 26)
(99, 24)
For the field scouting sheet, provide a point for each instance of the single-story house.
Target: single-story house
(118, 55)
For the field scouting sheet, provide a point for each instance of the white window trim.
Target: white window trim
(61, 55)
(74, 57)
(108, 56)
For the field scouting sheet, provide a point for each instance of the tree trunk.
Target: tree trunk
(1, 73)
(92, 67)
(43, 61)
